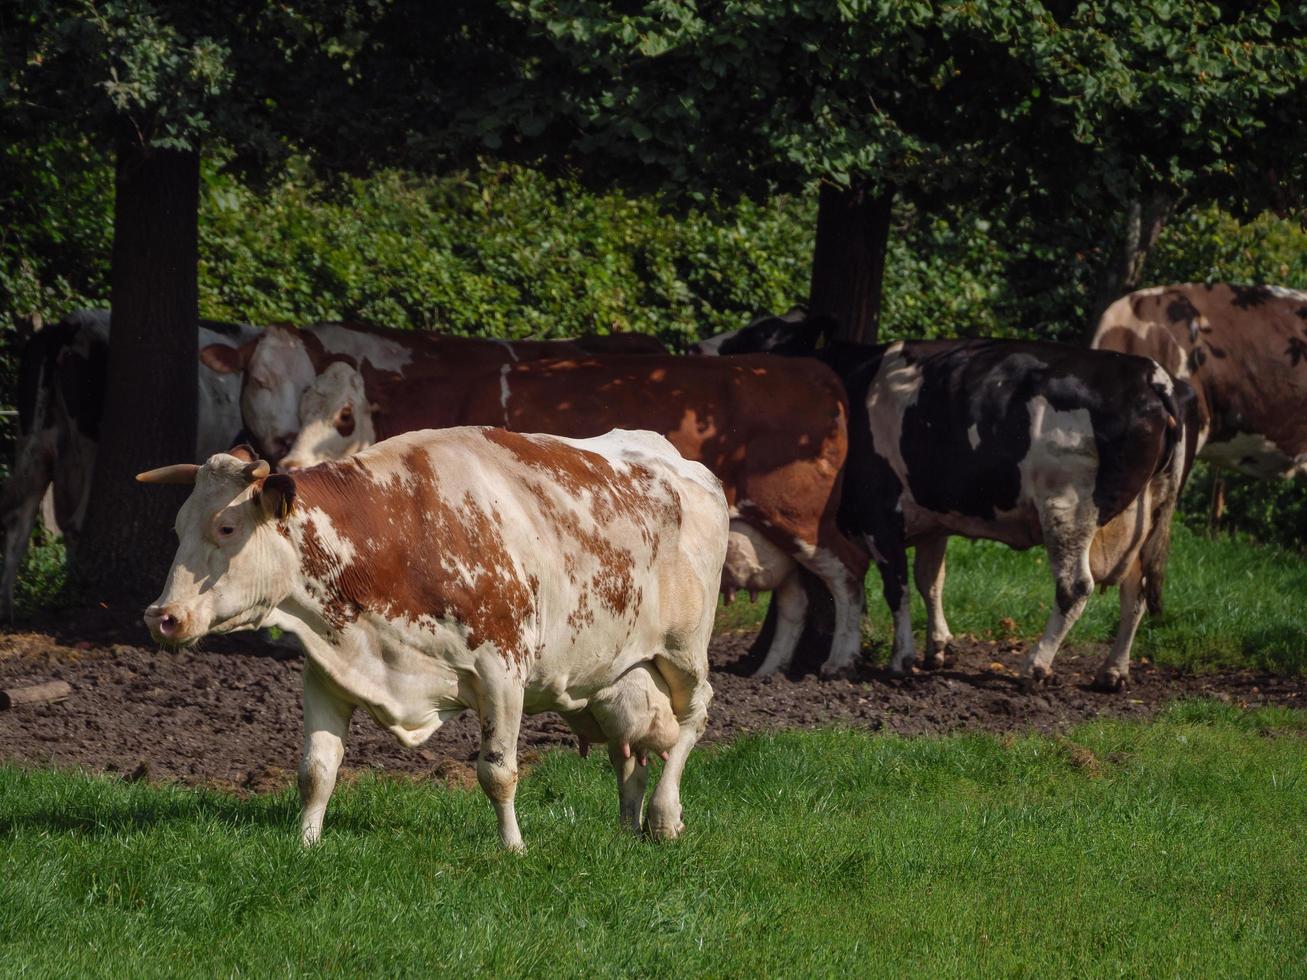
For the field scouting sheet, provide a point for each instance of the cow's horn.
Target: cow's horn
(256, 470)
(177, 473)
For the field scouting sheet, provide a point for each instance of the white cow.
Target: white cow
(470, 568)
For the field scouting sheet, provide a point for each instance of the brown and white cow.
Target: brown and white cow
(1244, 351)
(469, 569)
(1022, 442)
(279, 364)
(773, 431)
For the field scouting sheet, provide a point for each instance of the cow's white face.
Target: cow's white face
(232, 567)
(335, 419)
(278, 372)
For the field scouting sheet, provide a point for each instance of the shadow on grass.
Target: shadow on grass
(118, 811)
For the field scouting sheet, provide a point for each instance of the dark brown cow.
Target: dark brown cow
(1243, 349)
(773, 431)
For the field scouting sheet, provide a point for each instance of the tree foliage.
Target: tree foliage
(1079, 126)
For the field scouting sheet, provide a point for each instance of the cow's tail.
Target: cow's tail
(1174, 436)
(1168, 481)
(1153, 558)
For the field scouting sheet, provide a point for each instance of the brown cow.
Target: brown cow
(1244, 351)
(279, 364)
(773, 431)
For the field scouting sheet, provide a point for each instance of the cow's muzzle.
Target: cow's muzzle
(167, 625)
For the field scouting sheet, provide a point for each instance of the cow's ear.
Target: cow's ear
(225, 359)
(277, 496)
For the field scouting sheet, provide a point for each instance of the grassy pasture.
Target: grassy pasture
(1173, 848)
(1229, 603)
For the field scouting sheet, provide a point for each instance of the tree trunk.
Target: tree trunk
(150, 402)
(1124, 272)
(848, 277)
(848, 262)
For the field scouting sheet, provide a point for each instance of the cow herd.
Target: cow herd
(521, 526)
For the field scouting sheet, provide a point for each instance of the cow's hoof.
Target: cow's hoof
(933, 660)
(1111, 681)
(1037, 678)
(898, 671)
(831, 672)
(665, 829)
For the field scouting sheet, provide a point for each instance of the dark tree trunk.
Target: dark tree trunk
(1124, 272)
(150, 403)
(848, 277)
(848, 262)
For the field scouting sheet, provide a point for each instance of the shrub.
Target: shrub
(502, 252)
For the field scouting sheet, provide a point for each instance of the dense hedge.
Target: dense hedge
(507, 252)
(501, 252)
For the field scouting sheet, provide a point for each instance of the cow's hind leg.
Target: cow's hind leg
(928, 570)
(501, 720)
(842, 567)
(326, 723)
(791, 610)
(632, 778)
(1114, 674)
(20, 501)
(690, 698)
(1068, 533)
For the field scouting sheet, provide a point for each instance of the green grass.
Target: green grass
(1173, 848)
(1229, 603)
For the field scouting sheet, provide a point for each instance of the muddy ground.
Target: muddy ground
(229, 715)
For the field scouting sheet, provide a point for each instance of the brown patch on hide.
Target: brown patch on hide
(636, 497)
(417, 555)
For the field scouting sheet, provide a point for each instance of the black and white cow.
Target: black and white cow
(794, 334)
(62, 378)
(1026, 443)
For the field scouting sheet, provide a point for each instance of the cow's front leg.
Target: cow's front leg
(892, 561)
(326, 723)
(632, 778)
(928, 570)
(501, 719)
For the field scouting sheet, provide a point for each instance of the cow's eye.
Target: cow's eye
(226, 530)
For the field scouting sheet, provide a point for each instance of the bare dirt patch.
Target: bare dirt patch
(229, 715)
